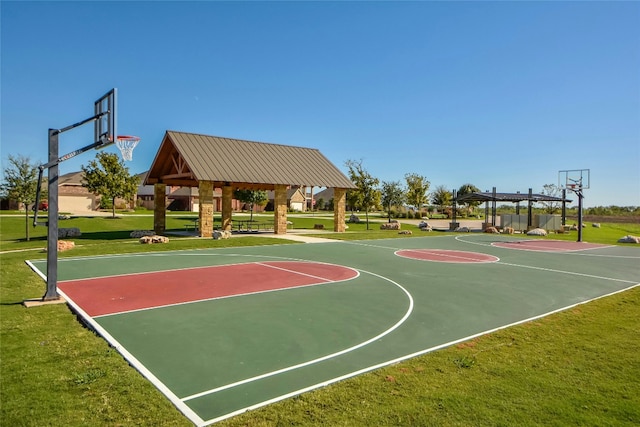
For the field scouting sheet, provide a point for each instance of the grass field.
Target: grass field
(577, 367)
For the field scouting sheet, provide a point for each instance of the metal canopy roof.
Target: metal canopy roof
(508, 197)
(184, 159)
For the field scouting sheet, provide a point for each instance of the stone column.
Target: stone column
(339, 207)
(227, 197)
(160, 208)
(280, 209)
(205, 190)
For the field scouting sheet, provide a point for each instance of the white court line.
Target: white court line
(319, 359)
(294, 272)
(572, 273)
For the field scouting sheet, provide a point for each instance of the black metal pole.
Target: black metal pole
(579, 193)
(493, 207)
(564, 207)
(530, 210)
(52, 232)
(454, 213)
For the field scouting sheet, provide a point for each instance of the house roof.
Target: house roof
(508, 197)
(187, 158)
(71, 178)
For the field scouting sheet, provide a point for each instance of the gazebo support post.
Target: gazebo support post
(339, 209)
(160, 208)
(280, 209)
(205, 215)
(227, 197)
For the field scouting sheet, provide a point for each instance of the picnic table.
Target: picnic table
(193, 224)
(247, 225)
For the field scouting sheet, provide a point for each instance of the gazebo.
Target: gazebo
(530, 197)
(208, 162)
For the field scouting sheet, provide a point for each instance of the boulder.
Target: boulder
(221, 234)
(354, 218)
(154, 239)
(64, 245)
(491, 230)
(390, 226)
(537, 232)
(462, 230)
(508, 230)
(629, 239)
(424, 226)
(407, 232)
(596, 224)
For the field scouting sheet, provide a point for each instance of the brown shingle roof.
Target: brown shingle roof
(186, 158)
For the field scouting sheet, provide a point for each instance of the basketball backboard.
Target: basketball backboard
(105, 124)
(576, 179)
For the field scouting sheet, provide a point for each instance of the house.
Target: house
(73, 197)
(296, 200)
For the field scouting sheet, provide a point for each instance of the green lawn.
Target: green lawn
(578, 367)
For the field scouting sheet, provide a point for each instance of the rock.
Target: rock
(64, 245)
(537, 232)
(318, 226)
(154, 239)
(491, 230)
(596, 224)
(354, 218)
(424, 226)
(462, 230)
(390, 226)
(68, 232)
(408, 232)
(140, 233)
(508, 230)
(629, 239)
(221, 234)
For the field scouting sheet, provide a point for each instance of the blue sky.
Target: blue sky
(498, 94)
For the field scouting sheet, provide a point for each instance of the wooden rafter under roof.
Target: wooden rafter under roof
(184, 159)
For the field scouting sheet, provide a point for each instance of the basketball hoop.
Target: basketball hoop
(126, 144)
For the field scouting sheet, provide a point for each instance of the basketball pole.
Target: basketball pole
(52, 215)
(579, 193)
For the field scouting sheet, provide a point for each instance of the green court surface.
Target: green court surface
(222, 331)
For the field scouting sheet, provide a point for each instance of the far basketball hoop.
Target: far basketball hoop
(126, 144)
(576, 180)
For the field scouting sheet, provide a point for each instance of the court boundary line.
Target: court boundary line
(133, 361)
(406, 357)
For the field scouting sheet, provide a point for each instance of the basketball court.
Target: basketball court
(223, 331)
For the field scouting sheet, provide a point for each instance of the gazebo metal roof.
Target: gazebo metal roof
(508, 197)
(187, 158)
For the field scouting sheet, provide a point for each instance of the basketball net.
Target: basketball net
(126, 144)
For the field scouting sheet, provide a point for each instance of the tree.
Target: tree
(251, 197)
(468, 189)
(20, 184)
(441, 197)
(417, 187)
(109, 177)
(366, 195)
(552, 190)
(392, 195)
